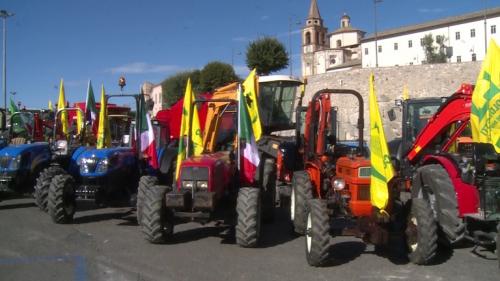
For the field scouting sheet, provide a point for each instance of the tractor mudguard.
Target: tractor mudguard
(167, 159)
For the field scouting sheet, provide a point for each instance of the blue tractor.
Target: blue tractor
(65, 149)
(105, 176)
(25, 153)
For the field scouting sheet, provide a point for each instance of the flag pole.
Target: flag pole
(238, 150)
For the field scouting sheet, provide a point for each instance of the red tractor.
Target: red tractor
(454, 184)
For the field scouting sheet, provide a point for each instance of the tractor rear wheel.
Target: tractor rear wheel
(421, 232)
(61, 203)
(248, 210)
(157, 221)
(145, 183)
(301, 193)
(498, 244)
(269, 190)
(317, 232)
(43, 184)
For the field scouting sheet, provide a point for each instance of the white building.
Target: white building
(154, 93)
(324, 52)
(464, 36)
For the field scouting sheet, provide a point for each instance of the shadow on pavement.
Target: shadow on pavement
(277, 232)
(101, 217)
(344, 252)
(17, 206)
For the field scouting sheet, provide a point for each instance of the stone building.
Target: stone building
(153, 93)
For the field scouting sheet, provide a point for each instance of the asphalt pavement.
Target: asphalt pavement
(106, 244)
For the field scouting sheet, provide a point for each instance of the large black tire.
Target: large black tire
(317, 232)
(145, 183)
(269, 190)
(301, 193)
(421, 232)
(248, 210)
(61, 199)
(43, 184)
(157, 221)
(441, 194)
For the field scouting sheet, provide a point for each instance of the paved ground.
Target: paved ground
(106, 244)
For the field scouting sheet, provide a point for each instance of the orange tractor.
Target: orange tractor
(335, 180)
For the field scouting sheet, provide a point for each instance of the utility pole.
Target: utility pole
(485, 29)
(4, 15)
(376, 35)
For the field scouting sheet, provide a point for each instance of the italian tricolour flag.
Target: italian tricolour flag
(250, 159)
(148, 147)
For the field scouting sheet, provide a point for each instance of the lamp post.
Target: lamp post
(376, 43)
(4, 15)
(290, 58)
(485, 29)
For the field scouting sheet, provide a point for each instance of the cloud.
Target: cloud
(142, 67)
(241, 70)
(432, 10)
(264, 18)
(242, 39)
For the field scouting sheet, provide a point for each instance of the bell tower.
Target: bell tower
(313, 39)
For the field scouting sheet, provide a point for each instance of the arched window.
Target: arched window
(317, 38)
(339, 43)
(308, 38)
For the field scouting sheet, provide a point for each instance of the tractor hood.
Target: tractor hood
(207, 160)
(13, 157)
(99, 162)
(213, 169)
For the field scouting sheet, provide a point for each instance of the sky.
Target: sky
(150, 40)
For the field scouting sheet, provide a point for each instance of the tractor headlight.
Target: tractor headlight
(187, 184)
(338, 184)
(87, 165)
(62, 147)
(202, 184)
(15, 163)
(102, 165)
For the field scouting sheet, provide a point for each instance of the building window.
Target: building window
(457, 35)
(474, 57)
(339, 43)
(410, 44)
(421, 41)
(332, 59)
(472, 33)
(459, 59)
(366, 51)
(308, 38)
(380, 49)
(317, 39)
(493, 29)
(396, 46)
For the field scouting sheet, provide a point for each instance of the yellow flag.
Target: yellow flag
(405, 93)
(250, 92)
(381, 166)
(190, 132)
(103, 133)
(61, 104)
(485, 110)
(51, 107)
(79, 121)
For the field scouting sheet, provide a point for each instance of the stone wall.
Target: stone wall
(421, 80)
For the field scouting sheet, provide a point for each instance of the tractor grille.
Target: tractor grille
(364, 192)
(364, 172)
(194, 173)
(4, 162)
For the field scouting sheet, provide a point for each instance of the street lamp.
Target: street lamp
(4, 15)
(375, 13)
(290, 58)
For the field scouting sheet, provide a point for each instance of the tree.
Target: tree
(432, 53)
(266, 55)
(216, 74)
(173, 87)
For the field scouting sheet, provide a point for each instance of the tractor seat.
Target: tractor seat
(18, 140)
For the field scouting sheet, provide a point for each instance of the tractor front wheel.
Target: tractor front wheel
(248, 210)
(157, 221)
(301, 193)
(145, 183)
(317, 232)
(43, 184)
(269, 190)
(61, 203)
(421, 232)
